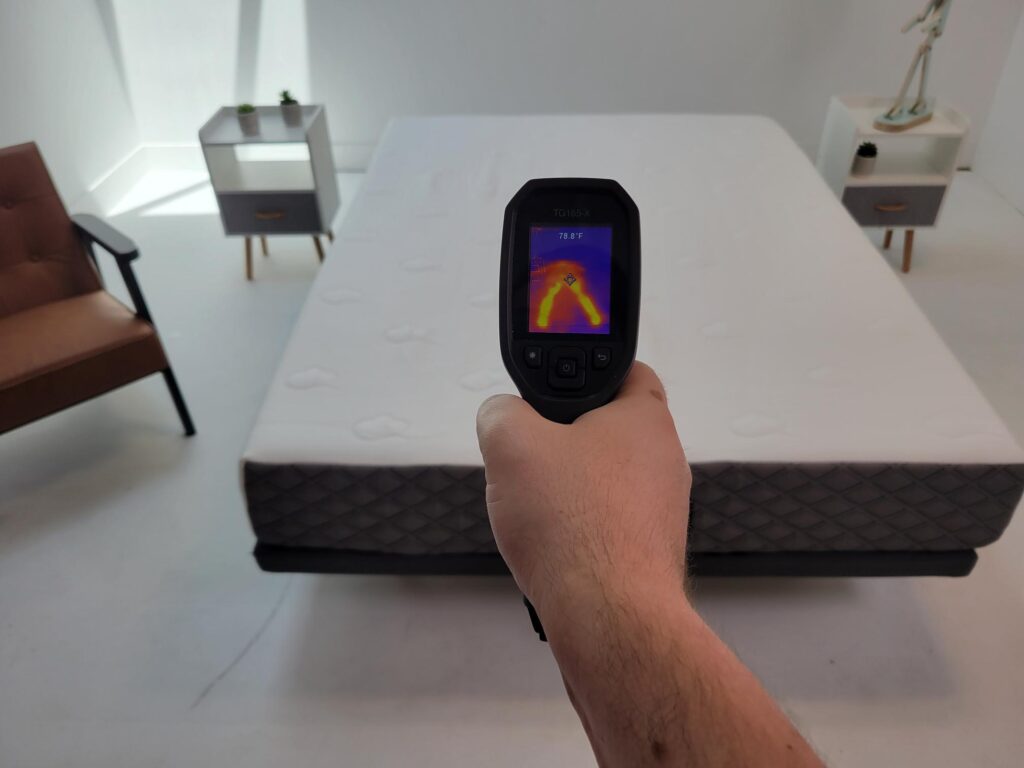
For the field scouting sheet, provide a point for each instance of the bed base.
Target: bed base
(280, 559)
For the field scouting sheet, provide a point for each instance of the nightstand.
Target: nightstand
(280, 181)
(912, 174)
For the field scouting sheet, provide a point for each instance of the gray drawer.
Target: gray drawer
(894, 206)
(271, 213)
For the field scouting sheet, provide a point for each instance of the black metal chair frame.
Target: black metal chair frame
(94, 231)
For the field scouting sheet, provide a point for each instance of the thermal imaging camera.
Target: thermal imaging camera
(570, 293)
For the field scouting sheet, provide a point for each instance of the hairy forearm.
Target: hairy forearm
(654, 686)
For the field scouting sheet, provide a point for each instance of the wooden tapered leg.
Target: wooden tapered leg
(319, 248)
(263, 245)
(888, 239)
(248, 258)
(908, 249)
(330, 235)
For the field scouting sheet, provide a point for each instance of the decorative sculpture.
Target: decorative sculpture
(902, 116)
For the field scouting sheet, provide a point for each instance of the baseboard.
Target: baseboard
(178, 157)
(111, 188)
(350, 157)
(104, 193)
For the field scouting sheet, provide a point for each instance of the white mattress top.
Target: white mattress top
(779, 331)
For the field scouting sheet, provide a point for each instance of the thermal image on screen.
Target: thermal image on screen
(570, 279)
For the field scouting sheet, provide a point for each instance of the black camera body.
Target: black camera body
(570, 293)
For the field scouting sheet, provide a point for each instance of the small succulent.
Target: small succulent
(867, 149)
(287, 98)
(246, 109)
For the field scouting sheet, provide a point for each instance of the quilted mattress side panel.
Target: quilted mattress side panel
(763, 507)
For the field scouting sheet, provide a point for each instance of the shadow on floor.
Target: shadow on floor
(81, 462)
(831, 640)
(412, 637)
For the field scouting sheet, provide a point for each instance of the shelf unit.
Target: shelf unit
(907, 188)
(280, 181)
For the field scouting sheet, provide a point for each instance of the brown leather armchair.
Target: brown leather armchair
(63, 338)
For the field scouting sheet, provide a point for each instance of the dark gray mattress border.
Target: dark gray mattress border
(736, 508)
(958, 562)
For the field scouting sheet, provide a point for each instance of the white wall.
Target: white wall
(61, 87)
(370, 60)
(181, 62)
(1001, 151)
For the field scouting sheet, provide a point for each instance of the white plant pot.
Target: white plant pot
(863, 166)
(292, 114)
(249, 123)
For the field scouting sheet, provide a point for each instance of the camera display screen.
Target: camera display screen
(570, 279)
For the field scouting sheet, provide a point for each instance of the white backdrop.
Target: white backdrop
(369, 60)
(91, 79)
(60, 86)
(1001, 153)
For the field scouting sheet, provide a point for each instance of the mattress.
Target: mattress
(819, 409)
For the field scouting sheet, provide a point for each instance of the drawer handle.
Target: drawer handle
(269, 215)
(890, 207)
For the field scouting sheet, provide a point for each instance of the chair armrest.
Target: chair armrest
(98, 231)
(123, 249)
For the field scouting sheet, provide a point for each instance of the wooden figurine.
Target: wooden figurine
(901, 115)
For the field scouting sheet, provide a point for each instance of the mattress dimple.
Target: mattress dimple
(403, 334)
(312, 377)
(341, 296)
(380, 427)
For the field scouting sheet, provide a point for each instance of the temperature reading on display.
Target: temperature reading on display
(570, 235)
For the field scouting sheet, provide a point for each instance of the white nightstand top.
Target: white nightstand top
(946, 122)
(223, 127)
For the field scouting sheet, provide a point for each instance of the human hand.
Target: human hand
(589, 508)
(591, 518)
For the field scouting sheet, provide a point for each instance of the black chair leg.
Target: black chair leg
(179, 402)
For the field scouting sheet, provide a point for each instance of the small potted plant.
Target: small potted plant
(291, 110)
(248, 120)
(864, 161)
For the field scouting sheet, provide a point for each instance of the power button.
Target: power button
(567, 369)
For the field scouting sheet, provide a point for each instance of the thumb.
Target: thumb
(642, 382)
(506, 427)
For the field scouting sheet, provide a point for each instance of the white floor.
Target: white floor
(135, 629)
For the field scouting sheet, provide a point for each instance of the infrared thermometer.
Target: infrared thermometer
(570, 293)
(570, 296)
